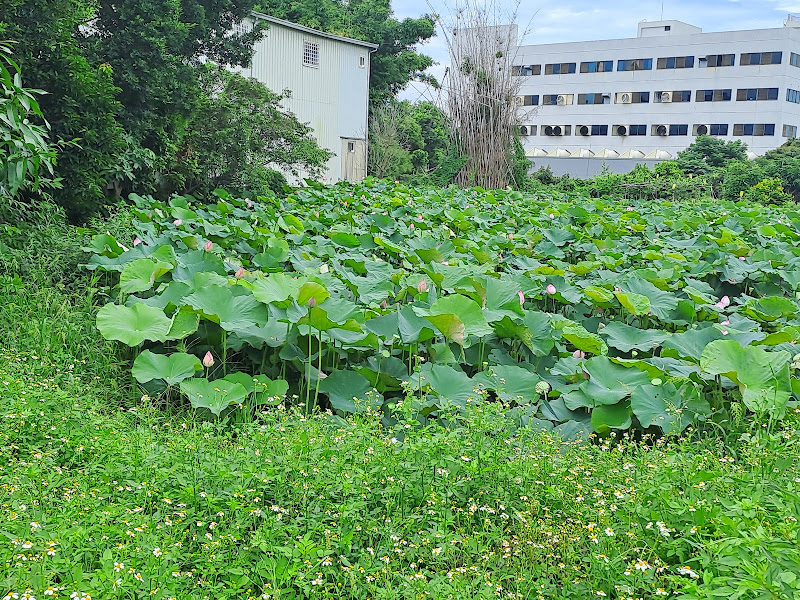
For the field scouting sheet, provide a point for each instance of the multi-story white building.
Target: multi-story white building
(644, 99)
(328, 78)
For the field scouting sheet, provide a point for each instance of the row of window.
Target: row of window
(646, 64)
(716, 129)
(742, 95)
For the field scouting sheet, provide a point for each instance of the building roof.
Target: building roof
(316, 32)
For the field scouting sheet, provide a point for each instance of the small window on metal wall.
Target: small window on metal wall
(362, 62)
(351, 146)
(310, 54)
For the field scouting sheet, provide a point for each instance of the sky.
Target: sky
(548, 21)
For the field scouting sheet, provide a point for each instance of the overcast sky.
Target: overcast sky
(550, 21)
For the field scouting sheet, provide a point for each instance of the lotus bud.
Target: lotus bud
(177, 222)
(136, 241)
(552, 216)
(511, 236)
(208, 245)
(742, 258)
(312, 302)
(383, 305)
(208, 360)
(550, 289)
(578, 354)
(422, 286)
(411, 226)
(239, 273)
(521, 297)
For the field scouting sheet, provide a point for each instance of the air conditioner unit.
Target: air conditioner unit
(519, 100)
(666, 97)
(553, 130)
(561, 99)
(523, 130)
(701, 129)
(584, 130)
(662, 130)
(621, 130)
(625, 98)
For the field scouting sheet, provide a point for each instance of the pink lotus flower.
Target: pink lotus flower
(239, 273)
(383, 305)
(136, 241)
(178, 222)
(521, 297)
(208, 245)
(422, 286)
(725, 322)
(724, 302)
(550, 289)
(579, 354)
(411, 226)
(724, 331)
(742, 258)
(208, 360)
(552, 216)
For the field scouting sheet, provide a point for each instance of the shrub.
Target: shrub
(768, 191)
(739, 177)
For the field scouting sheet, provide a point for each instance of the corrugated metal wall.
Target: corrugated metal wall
(331, 98)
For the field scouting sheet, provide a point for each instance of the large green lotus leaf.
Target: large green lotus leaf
(197, 261)
(508, 329)
(343, 388)
(171, 295)
(512, 384)
(277, 289)
(309, 290)
(447, 383)
(115, 263)
(457, 317)
(666, 406)
(374, 288)
(133, 325)
(558, 237)
(763, 377)
(105, 245)
(219, 304)
(215, 395)
(691, 343)
(317, 318)
(542, 339)
(185, 322)
(609, 382)
(580, 338)
(140, 274)
(598, 295)
(611, 416)
(172, 369)
(262, 389)
(770, 308)
(661, 303)
(636, 304)
(626, 338)
(273, 334)
(502, 299)
(342, 238)
(274, 255)
(384, 326)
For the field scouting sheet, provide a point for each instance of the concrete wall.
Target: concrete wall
(585, 168)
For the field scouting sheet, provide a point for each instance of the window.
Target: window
(718, 129)
(351, 146)
(637, 129)
(790, 131)
(754, 129)
(761, 58)
(713, 95)
(757, 94)
(556, 99)
(675, 62)
(673, 96)
(362, 62)
(793, 96)
(310, 54)
(633, 97)
(718, 60)
(595, 98)
(528, 100)
(592, 129)
(679, 130)
(667, 27)
(559, 68)
(526, 70)
(635, 64)
(242, 28)
(597, 66)
(794, 59)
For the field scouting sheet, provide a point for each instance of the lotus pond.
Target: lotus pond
(576, 314)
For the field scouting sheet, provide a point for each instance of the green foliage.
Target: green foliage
(239, 127)
(768, 191)
(707, 153)
(396, 61)
(429, 292)
(740, 176)
(784, 163)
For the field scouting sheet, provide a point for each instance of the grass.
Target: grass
(105, 495)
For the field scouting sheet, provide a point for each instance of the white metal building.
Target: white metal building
(328, 76)
(645, 99)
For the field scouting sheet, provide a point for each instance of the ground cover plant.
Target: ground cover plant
(583, 314)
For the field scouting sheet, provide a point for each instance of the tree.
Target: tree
(739, 177)
(708, 153)
(396, 61)
(784, 163)
(80, 103)
(26, 156)
(237, 132)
